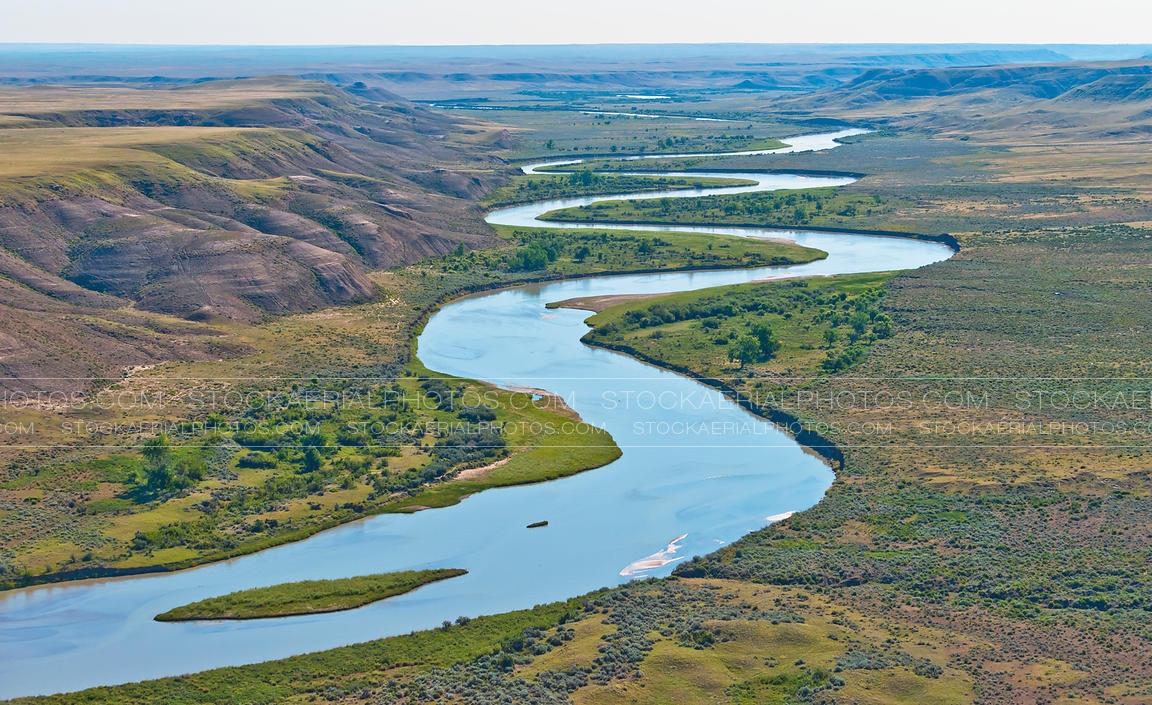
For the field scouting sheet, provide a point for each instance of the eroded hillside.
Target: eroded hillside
(230, 200)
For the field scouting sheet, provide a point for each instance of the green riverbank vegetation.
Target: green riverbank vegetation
(831, 207)
(566, 253)
(308, 596)
(773, 333)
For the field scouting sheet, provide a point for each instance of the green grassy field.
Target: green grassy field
(51, 163)
(307, 596)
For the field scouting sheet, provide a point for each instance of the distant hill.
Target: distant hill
(457, 73)
(231, 200)
(1069, 99)
(1044, 81)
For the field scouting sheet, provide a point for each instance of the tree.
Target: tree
(766, 340)
(312, 459)
(157, 452)
(188, 470)
(745, 349)
(882, 326)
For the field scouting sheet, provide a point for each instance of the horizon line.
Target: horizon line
(232, 45)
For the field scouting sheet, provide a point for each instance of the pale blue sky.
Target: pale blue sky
(579, 21)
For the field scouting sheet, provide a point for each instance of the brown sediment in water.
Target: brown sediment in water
(656, 560)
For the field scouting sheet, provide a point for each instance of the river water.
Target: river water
(696, 473)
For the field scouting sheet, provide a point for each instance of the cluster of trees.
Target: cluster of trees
(488, 680)
(758, 345)
(660, 314)
(536, 255)
(873, 659)
(843, 359)
(462, 446)
(861, 314)
(202, 534)
(165, 472)
(538, 250)
(446, 398)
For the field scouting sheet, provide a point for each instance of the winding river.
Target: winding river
(697, 472)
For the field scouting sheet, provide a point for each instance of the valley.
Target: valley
(987, 550)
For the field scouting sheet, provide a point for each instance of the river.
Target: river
(696, 473)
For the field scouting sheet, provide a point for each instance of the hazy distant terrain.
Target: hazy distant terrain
(452, 73)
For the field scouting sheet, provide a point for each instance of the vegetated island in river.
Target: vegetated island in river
(308, 596)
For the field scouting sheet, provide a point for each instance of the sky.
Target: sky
(435, 22)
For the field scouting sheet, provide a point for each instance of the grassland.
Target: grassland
(956, 514)
(307, 596)
(51, 163)
(60, 101)
(966, 510)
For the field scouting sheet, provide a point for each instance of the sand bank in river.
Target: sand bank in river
(599, 303)
(656, 560)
